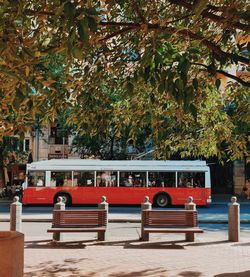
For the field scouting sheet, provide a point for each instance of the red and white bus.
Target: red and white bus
(122, 182)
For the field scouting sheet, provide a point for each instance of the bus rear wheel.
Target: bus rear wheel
(66, 198)
(162, 200)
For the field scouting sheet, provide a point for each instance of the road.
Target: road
(214, 212)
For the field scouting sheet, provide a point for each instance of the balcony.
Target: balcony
(58, 151)
(57, 156)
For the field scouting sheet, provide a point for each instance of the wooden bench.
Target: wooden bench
(171, 221)
(66, 221)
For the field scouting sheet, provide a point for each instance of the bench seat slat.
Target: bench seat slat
(172, 230)
(78, 229)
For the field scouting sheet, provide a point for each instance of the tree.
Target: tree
(98, 130)
(175, 47)
(218, 125)
(11, 152)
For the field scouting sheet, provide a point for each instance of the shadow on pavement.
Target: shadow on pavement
(126, 244)
(154, 245)
(49, 244)
(115, 243)
(51, 269)
(137, 244)
(238, 274)
(147, 272)
(57, 270)
(208, 243)
(190, 274)
(242, 244)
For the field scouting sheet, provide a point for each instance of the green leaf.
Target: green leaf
(194, 50)
(92, 24)
(20, 95)
(71, 39)
(189, 94)
(69, 10)
(92, 11)
(193, 110)
(195, 83)
(83, 29)
(30, 104)
(146, 73)
(16, 103)
(130, 86)
(152, 81)
(77, 53)
(161, 87)
(199, 7)
(179, 84)
(218, 83)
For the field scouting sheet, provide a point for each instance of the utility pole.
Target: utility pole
(37, 144)
(63, 145)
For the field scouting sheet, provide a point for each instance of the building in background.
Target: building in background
(49, 143)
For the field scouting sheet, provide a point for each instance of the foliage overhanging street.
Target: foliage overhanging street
(123, 68)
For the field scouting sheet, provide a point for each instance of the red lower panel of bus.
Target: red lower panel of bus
(115, 195)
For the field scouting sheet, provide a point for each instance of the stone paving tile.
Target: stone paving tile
(123, 255)
(210, 255)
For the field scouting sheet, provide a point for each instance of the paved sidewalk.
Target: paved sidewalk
(123, 255)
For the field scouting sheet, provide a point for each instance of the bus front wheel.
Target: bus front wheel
(162, 200)
(65, 198)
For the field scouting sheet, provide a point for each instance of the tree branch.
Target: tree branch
(239, 80)
(213, 17)
(179, 19)
(185, 33)
(122, 31)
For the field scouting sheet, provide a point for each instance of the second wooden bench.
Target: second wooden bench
(170, 221)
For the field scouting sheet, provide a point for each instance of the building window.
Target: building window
(26, 145)
(56, 136)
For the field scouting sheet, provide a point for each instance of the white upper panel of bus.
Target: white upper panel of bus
(117, 165)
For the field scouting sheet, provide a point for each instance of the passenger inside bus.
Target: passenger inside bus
(191, 179)
(101, 181)
(31, 182)
(39, 182)
(127, 182)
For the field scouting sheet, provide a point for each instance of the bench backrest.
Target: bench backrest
(169, 218)
(72, 218)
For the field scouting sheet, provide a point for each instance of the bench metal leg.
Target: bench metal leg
(145, 236)
(101, 236)
(189, 236)
(56, 236)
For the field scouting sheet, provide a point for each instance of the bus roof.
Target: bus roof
(132, 165)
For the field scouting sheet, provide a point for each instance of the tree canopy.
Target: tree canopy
(155, 64)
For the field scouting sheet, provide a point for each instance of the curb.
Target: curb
(125, 220)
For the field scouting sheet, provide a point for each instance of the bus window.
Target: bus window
(61, 178)
(106, 178)
(84, 178)
(191, 179)
(133, 179)
(161, 179)
(36, 179)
